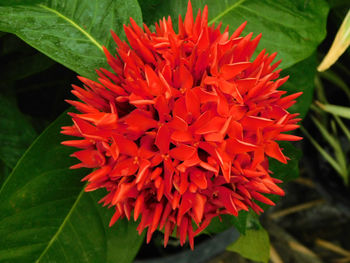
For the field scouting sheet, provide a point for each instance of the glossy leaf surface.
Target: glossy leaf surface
(70, 32)
(45, 215)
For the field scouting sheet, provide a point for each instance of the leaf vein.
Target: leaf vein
(59, 230)
(220, 15)
(90, 37)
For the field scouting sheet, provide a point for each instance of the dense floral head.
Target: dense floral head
(181, 130)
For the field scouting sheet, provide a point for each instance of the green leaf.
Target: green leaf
(19, 2)
(254, 245)
(339, 45)
(340, 111)
(343, 127)
(4, 172)
(292, 28)
(327, 135)
(45, 216)
(219, 225)
(301, 78)
(289, 171)
(72, 32)
(16, 133)
(324, 153)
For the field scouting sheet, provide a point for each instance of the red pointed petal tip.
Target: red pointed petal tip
(239, 30)
(188, 23)
(181, 129)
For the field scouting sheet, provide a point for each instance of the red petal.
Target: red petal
(198, 177)
(184, 207)
(90, 158)
(101, 119)
(139, 205)
(226, 199)
(229, 71)
(226, 171)
(125, 145)
(156, 216)
(273, 187)
(182, 152)
(115, 217)
(231, 89)
(202, 120)
(239, 30)
(235, 146)
(124, 168)
(288, 137)
(180, 108)
(208, 167)
(163, 139)
(235, 130)
(113, 87)
(178, 124)
(181, 136)
(253, 123)
(153, 81)
(192, 103)
(244, 85)
(139, 121)
(183, 183)
(214, 137)
(78, 143)
(184, 78)
(122, 192)
(237, 112)
(183, 230)
(188, 23)
(162, 107)
(98, 174)
(273, 150)
(261, 198)
(198, 208)
(222, 106)
(90, 131)
(214, 125)
(82, 107)
(144, 165)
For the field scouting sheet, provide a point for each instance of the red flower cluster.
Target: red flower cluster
(181, 131)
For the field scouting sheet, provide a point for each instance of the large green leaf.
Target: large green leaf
(45, 216)
(291, 28)
(4, 172)
(16, 133)
(301, 78)
(71, 32)
(19, 2)
(254, 245)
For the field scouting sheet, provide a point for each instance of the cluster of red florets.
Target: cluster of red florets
(182, 129)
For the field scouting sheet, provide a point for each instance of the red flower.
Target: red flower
(182, 129)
